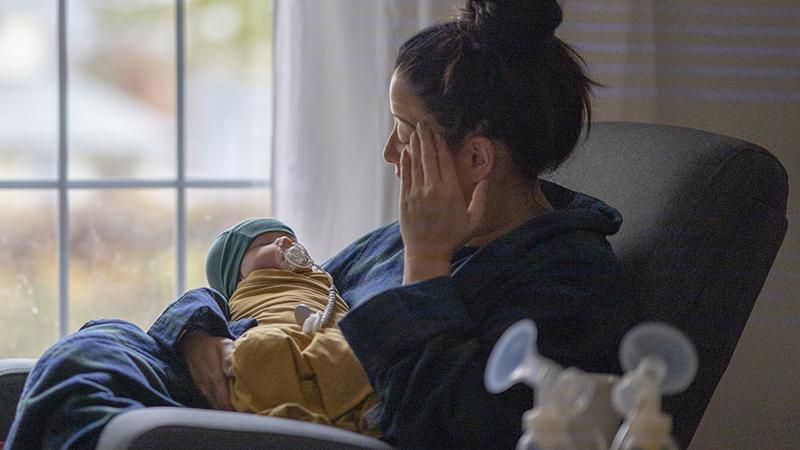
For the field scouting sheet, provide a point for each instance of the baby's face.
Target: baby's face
(264, 252)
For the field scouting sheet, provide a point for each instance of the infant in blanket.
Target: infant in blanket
(296, 362)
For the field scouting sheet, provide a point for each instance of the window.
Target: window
(131, 133)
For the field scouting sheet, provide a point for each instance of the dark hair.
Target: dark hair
(498, 70)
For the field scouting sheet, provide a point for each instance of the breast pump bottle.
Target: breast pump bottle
(658, 359)
(560, 395)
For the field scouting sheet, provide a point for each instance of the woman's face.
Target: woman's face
(407, 110)
(264, 252)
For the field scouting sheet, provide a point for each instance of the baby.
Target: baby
(278, 368)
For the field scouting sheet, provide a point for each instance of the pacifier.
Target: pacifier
(296, 258)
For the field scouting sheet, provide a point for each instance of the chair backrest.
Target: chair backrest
(703, 218)
(13, 373)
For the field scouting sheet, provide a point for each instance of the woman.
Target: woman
(482, 105)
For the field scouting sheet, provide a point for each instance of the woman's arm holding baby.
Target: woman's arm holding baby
(197, 330)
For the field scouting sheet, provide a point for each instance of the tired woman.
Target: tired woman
(482, 106)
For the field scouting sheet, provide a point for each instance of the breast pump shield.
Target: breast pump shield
(561, 395)
(661, 341)
(658, 359)
(513, 359)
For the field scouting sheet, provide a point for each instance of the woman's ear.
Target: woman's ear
(480, 155)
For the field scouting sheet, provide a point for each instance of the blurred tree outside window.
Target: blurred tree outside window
(122, 179)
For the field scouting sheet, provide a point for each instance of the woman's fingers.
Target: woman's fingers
(423, 158)
(415, 156)
(447, 167)
(428, 154)
(405, 174)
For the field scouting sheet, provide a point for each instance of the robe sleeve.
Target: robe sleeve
(202, 308)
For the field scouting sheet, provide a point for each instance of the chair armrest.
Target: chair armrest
(13, 373)
(169, 427)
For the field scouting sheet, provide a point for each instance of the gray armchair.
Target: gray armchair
(704, 216)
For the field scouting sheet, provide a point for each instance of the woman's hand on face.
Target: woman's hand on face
(208, 360)
(434, 217)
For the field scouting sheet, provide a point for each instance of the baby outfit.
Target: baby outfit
(279, 370)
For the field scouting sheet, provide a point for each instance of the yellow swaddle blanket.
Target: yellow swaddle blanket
(281, 371)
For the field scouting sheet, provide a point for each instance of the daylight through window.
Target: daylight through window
(131, 133)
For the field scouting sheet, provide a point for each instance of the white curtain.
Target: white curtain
(333, 62)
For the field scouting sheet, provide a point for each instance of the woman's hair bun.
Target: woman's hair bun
(522, 21)
(499, 71)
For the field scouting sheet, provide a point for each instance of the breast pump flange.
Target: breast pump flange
(657, 359)
(561, 394)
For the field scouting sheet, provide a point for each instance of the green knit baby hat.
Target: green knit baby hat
(226, 252)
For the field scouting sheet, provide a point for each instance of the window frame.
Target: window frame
(63, 185)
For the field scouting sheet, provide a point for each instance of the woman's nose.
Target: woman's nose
(390, 152)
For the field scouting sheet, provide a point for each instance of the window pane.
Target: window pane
(122, 261)
(209, 211)
(28, 89)
(28, 273)
(228, 88)
(122, 88)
